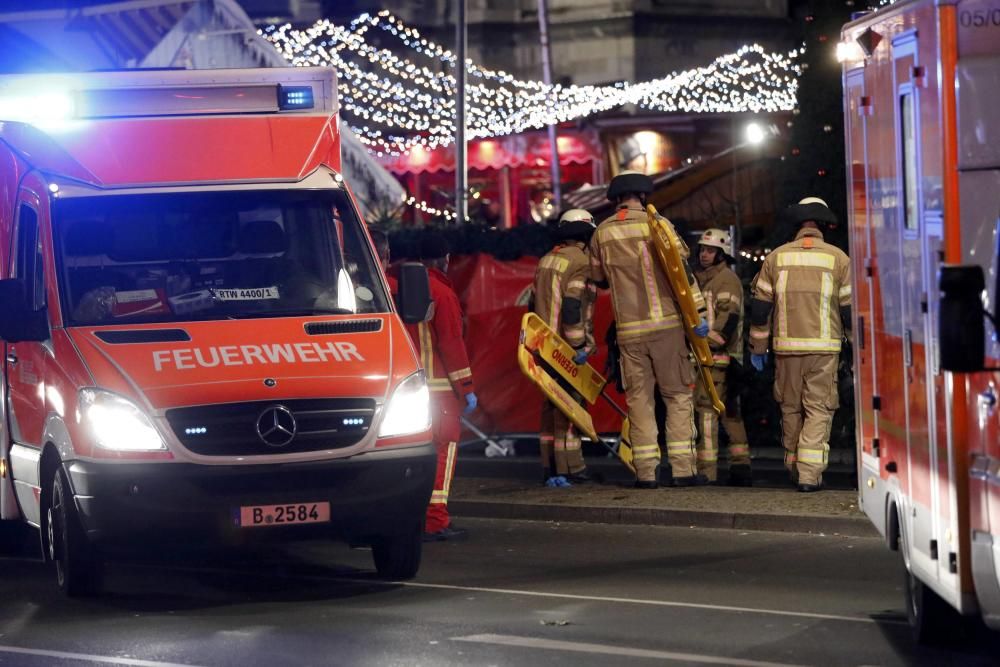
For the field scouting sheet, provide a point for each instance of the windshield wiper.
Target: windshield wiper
(293, 312)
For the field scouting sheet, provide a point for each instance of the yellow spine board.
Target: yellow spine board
(667, 247)
(558, 354)
(531, 343)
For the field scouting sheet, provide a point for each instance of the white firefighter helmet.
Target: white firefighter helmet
(576, 215)
(716, 238)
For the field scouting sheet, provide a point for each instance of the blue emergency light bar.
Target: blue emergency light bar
(295, 97)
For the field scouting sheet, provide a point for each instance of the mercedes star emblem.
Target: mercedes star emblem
(276, 426)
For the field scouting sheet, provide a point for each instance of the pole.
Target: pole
(543, 30)
(461, 150)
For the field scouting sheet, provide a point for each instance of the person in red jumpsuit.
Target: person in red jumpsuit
(443, 355)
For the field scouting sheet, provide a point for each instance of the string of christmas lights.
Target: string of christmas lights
(395, 103)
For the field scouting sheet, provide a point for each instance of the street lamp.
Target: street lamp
(755, 133)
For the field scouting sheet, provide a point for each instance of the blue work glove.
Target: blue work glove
(470, 402)
(580, 358)
(702, 329)
(758, 361)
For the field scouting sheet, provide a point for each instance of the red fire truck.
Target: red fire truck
(198, 340)
(921, 81)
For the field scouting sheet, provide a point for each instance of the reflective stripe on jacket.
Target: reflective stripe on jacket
(807, 281)
(562, 275)
(439, 340)
(622, 254)
(723, 294)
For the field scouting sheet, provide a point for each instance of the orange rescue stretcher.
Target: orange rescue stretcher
(541, 349)
(667, 247)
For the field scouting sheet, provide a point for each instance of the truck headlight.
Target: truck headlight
(409, 408)
(114, 422)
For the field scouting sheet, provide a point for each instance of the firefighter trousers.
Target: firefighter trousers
(661, 363)
(559, 442)
(805, 386)
(447, 429)
(708, 427)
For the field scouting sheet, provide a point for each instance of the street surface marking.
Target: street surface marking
(618, 651)
(105, 659)
(657, 603)
(541, 594)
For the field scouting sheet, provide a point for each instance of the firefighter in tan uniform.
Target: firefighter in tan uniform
(653, 346)
(802, 306)
(723, 294)
(564, 298)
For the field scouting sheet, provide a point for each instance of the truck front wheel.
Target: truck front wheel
(397, 557)
(78, 568)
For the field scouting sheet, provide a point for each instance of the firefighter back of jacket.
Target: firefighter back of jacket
(641, 296)
(807, 281)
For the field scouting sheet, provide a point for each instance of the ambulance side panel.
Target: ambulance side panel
(978, 101)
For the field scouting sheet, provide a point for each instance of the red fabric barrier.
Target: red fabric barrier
(493, 296)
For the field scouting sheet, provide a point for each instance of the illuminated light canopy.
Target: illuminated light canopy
(398, 102)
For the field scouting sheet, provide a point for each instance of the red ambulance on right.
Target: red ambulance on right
(922, 118)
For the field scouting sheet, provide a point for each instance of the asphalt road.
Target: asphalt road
(515, 593)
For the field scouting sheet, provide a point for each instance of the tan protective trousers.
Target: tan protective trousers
(558, 440)
(660, 363)
(708, 427)
(805, 386)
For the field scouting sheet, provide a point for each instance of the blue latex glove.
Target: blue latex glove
(758, 361)
(580, 358)
(702, 329)
(470, 402)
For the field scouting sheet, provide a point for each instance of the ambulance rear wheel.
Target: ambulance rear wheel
(397, 557)
(932, 620)
(78, 568)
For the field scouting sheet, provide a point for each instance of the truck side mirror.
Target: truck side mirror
(18, 322)
(961, 330)
(414, 297)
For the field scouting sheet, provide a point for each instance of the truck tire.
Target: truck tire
(932, 620)
(397, 557)
(79, 570)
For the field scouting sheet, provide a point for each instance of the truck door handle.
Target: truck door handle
(11, 358)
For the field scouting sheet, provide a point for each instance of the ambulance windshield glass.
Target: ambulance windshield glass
(213, 255)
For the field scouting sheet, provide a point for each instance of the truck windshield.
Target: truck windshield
(212, 255)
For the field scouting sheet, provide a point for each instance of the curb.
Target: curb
(650, 516)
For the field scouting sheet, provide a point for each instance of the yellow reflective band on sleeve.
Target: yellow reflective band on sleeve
(723, 296)
(455, 376)
(782, 304)
(764, 287)
(825, 325)
(559, 264)
(845, 291)
(556, 306)
(576, 284)
(817, 260)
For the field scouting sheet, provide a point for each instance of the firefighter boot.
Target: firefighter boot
(739, 475)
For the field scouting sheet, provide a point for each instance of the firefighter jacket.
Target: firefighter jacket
(799, 298)
(622, 257)
(723, 294)
(563, 297)
(440, 343)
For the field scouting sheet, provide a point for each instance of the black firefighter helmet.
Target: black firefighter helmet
(629, 182)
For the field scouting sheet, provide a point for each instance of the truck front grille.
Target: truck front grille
(252, 429)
